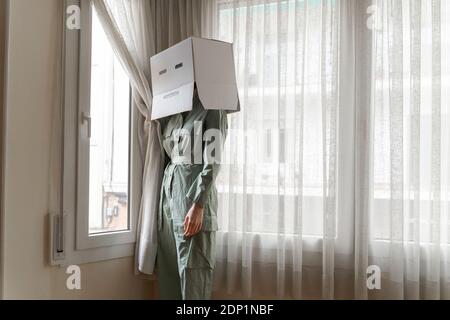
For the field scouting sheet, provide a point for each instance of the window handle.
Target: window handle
(86, 118)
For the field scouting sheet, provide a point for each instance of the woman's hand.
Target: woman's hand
(193, 221)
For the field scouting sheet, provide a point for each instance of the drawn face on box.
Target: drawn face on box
(209, 64)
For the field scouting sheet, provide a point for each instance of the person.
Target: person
(187, 220)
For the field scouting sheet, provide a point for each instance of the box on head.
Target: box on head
(194, 62)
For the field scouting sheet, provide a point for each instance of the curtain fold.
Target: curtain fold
(362, 58)
(330, 106)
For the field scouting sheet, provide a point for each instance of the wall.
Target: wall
(30, 97)
(2, 69)
(2, 55)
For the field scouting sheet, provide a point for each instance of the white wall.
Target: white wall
(30, 97)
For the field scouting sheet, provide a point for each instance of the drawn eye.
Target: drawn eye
(178, 66)
(162, 72)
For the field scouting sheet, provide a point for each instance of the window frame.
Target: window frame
(85, 240)
(78, 246)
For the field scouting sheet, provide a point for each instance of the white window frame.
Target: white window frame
(84, 239)
(78, 245)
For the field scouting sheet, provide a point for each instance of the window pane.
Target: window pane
(109, 145)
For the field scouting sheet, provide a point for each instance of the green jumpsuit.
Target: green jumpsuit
(185, 264)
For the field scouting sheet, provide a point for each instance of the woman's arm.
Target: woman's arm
(215, 129)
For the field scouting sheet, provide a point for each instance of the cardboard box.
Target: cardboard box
(208, 64)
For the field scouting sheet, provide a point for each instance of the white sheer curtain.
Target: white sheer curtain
(339, 159)
(277, 205)
(409, 215)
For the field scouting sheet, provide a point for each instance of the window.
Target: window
(101, 175)
(103, 214)
(109, 140)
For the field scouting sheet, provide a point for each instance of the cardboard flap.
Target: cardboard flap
(173, 102)
(218, 97)
(172, 68)
(215, 74)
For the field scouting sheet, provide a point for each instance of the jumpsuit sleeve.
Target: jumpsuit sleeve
(201, 186)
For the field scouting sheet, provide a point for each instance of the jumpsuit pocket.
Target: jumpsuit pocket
(197, 251)
(181, 182)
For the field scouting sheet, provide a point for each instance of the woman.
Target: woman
(187, 221)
